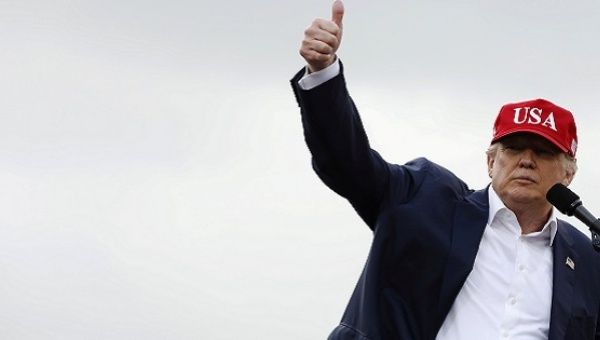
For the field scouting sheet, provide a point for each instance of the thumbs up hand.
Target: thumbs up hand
(322, 39)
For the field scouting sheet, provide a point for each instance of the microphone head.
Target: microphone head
(563, 199)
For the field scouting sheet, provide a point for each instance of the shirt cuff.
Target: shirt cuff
(311, 80)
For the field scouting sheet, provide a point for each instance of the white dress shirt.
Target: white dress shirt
(508, 294)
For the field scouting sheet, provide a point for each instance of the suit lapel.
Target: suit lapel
(562, 283)
(470, 219)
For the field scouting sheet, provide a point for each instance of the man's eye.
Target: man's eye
(547, 153)
(512, 148)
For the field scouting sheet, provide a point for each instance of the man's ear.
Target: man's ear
(569, 175)
(490, 164)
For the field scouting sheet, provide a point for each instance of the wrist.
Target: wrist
(320, 67)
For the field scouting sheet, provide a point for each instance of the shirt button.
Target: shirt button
(505, 334)
(521, 268)
(513, 301)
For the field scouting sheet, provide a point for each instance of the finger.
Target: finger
(318, 46)
(314, 57)
(337, 12)
(319, 34)
(326, 25)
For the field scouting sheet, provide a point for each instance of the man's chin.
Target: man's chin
(525, 197)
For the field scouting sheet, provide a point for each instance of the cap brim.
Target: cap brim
(534, 131)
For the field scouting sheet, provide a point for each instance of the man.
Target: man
(448, 262)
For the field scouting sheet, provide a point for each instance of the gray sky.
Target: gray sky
(155, 182)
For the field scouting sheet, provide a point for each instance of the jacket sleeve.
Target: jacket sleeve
(341, 155)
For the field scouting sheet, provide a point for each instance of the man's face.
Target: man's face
(524, 168)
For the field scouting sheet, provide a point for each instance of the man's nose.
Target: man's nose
(527, 159)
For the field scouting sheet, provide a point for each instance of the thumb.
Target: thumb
(337, 12)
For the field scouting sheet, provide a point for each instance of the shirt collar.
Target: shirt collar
(496, 205)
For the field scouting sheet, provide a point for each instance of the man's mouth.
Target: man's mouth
(525, 178)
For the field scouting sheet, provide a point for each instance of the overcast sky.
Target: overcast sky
(155, 181)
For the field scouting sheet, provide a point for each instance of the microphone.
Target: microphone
(569, 203)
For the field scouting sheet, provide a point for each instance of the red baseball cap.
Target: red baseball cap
(540, 117)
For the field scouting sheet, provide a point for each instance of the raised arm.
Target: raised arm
(333, 129)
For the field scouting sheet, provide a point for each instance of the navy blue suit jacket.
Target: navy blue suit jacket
(427, 226)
